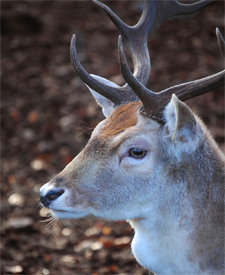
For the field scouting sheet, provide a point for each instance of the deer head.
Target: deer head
(151, 161)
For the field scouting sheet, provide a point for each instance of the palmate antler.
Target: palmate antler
(154, 13)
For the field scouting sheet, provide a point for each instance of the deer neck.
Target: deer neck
(168, 238)
(156, 247)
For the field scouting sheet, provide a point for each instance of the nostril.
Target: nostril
(54, 194)
(51, 196)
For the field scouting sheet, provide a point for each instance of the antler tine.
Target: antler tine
(124, 28)
(198, 87)
(137, 40)
(195, 88)
(180, 8)
(148, 98)
(221, 41)
(154, 104)
(115, 95)
(154, 13)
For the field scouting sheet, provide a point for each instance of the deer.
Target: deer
(151, 161)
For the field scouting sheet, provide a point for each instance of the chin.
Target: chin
(61, 214)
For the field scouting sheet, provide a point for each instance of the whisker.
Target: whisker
(39, 205)
(52, 222)
(75, 117)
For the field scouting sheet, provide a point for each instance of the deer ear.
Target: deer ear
(106, 104)
(181, 125)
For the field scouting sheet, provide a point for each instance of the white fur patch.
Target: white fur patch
(181, 140)
(170, 115)
(106, 104)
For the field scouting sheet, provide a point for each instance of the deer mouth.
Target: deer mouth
(67, 214)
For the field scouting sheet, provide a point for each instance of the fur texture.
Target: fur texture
(173, 196)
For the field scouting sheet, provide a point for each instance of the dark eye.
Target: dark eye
(137, 153)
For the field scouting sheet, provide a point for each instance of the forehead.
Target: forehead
(122, 118)
(108, 135)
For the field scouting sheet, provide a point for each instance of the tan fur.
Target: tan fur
(174, 197)
(123, 117)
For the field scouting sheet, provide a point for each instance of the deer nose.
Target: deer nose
(51, 196)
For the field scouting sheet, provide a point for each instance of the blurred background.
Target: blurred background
(47, 115)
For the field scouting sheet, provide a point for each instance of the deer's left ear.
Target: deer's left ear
(106, 104)
(181, 125)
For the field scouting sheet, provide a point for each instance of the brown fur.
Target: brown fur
(123, 117)
(176, 195)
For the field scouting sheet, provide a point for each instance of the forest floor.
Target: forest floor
(47, 115)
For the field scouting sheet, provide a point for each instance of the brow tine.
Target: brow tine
(111, 93)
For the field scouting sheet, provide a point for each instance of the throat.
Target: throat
(161, 250)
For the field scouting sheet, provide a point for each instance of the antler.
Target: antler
(154, 103)
(154, 13)
(221, 41)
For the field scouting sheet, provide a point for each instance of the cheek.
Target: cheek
(110, 180)
(138, 167)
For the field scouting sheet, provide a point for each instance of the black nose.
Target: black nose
(51, 196)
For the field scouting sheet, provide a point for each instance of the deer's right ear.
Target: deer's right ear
(106, 104)
(181, 126)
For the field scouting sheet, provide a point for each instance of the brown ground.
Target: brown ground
(48, 115)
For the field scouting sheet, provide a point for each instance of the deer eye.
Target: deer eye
(137, 153)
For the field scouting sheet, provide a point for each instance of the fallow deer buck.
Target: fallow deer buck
(151, 161)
